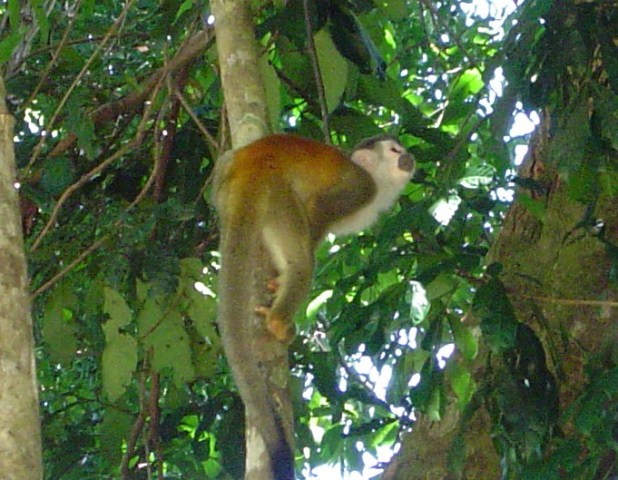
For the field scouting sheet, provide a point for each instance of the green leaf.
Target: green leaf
(119, 312)
(333, 67)
(384, 93)
(38, 8)
(468, 83)
(184, 7)
(8, 45)
(465, 340)
(353, 124)
(201, 305)
(423, 396)
(149, 316)
(118, 364)
(162, 333)
(81, 124)
(203, 312)
(332, 441)
(478, 176)
(59, 333)
(119, 359)
(58, 324)
(58, 173)
(395, 9)
(444, 284)
(353, 40)
(297, 67)
(535, 207)
(498, 321)
(462, 383)
(272, 85)
(115, 429)
(14, 6)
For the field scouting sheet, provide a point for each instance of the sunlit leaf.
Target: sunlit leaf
(333, 67)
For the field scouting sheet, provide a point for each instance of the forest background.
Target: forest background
(470, 334)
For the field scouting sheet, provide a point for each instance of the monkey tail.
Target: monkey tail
(238, 256)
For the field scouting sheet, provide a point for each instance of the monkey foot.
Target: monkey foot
(273, 285)
(282, 330)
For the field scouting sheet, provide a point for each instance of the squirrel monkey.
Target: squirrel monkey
(287, 192)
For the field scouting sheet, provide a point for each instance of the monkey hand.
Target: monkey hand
(283, 329)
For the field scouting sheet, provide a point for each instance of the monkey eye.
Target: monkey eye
(396, 149)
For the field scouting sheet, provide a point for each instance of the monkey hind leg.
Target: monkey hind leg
(288, 240)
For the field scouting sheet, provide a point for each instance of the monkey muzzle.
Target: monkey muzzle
(406, 162)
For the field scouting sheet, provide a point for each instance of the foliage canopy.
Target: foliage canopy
(119, 119)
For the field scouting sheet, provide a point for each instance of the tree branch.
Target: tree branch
(132, 102)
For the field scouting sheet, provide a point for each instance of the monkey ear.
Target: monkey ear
(363, 158)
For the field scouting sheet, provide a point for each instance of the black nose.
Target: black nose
(406, 162)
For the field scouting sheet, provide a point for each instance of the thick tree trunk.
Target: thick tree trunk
(557, 278)
(20, 436)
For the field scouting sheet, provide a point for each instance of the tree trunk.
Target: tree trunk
(20, 435)
(247, 115)
(557, 276)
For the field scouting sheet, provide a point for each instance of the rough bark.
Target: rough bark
(245, 97)
(20, 436)
(557, 277)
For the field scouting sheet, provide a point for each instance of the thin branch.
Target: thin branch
(163, 139)
(193, 47)
(39, 146)
(567, 301)
(137, 428)
(72, 14)
(317, 73)
(76, 186)
(28, 28)
(61, 274)
(438, 23)
(135, 142)
(86, 40)
(307, 98)
(366, 384)
(155, 415)
(200, 126)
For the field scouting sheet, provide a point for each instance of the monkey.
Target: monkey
(287, 192)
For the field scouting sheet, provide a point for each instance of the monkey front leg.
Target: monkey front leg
(287, 239)
(283, 331)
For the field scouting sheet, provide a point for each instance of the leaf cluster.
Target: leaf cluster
(114, 167)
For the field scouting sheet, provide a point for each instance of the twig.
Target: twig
(49, 283)
(137, 428)
(155, 414)
(366, 384)
(567, 301)
(72, 14)
(136, 141)
(129, 103)
(317, 73)
(39, 146)
(200, 126)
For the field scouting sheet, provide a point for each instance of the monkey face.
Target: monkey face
(395, 161)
